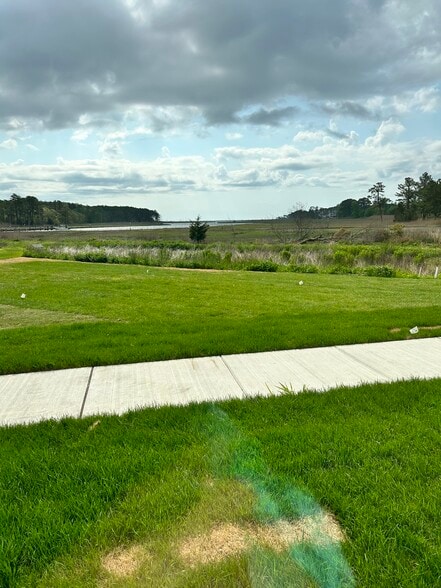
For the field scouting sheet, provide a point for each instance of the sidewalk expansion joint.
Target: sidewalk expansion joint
(86, 393)
(233, 375)
(362, 362)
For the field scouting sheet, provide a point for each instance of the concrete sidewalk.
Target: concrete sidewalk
(26, 398)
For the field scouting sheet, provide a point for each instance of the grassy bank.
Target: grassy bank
(77, 314)
(120, 500)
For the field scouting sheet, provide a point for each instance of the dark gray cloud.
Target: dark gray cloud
(74, 178)
(349, 108)
(271, 117)
(62, 59)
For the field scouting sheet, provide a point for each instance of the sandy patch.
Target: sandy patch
(221, 542)
(226, 540)
(124, 562)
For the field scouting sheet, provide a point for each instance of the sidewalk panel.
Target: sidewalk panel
(264, 374)
(118, 389)
(26, 398)
(400, 360)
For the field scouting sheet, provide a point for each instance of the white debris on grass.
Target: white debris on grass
(414, 331)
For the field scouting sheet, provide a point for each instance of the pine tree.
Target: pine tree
(198, 230)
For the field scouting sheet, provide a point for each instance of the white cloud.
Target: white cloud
(81, 135)
(9, 144)
(386, 132)
(423, 100)
(335, 162)
(309, 136)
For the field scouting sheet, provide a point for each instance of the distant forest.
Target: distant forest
(28, 211)
(414, 199)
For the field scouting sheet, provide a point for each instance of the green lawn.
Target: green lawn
(136, 490)
(77, 314)
(10, 250)
(150, 482)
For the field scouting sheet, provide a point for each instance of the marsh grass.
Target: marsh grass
(400, 259)
(123, 314)
(143, 484)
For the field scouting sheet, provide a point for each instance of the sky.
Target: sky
(227, 109)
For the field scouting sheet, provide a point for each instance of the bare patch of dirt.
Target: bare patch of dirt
(124, 562)
(395, 330)
(320, 529)
(226, 540)
(221, 542)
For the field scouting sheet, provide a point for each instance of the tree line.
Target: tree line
(30, 212)
(414, 199)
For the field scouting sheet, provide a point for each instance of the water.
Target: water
(148, 227)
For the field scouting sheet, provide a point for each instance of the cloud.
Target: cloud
(349, 108)
(81, 135)
(64, 60)
(9, 144)
(110, 149)
(423, 100)
(256, 153)
(309, 136)
(387, 131)
(316, 159)
(272, 117)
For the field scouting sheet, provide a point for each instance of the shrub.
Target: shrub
(397, 229)
(227, 259)
(286, 255)
(380, 236)
(342, 257)
(262, 266)
(211, 259)
(341, 234)
(380, 271)
(340, 269)
(304, 269)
